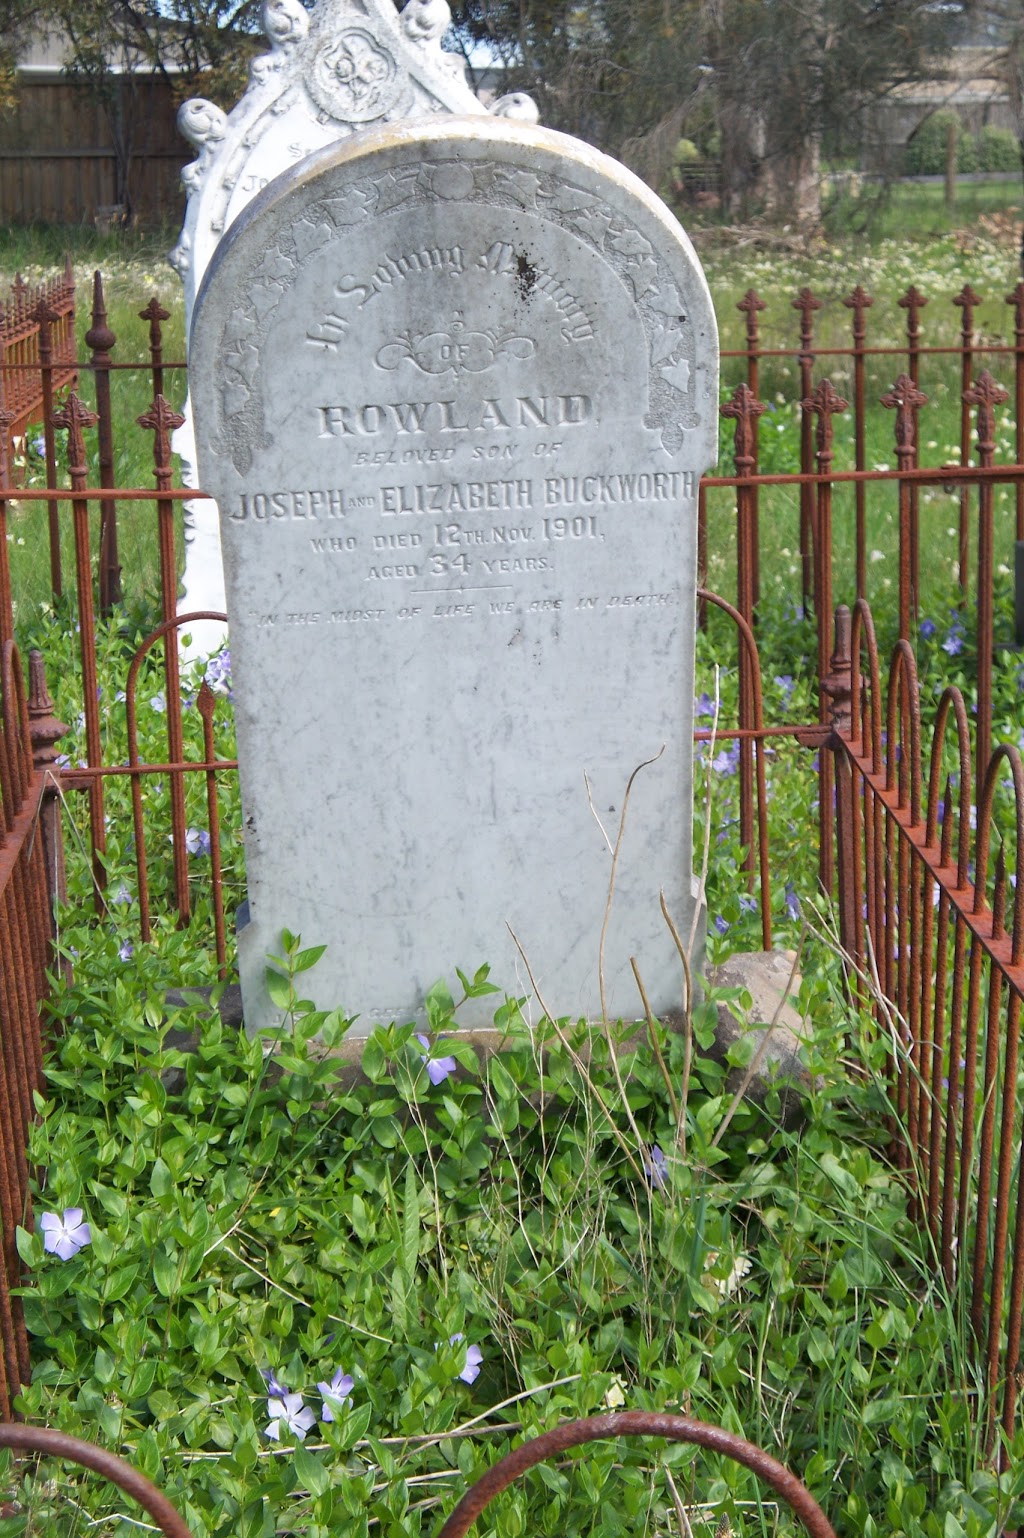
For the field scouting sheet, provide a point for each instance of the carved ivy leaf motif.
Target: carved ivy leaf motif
(239, 326)
(592, 222)
(350, 206)
(310, 237)
(521, 185)
(244, 360)
(642, 275)
(672, 436)
(630, 243)
(677, 374)
(665, 342)
(275, 264)
(667, 301)
(235, 396)
(392, 191)
(264, 298)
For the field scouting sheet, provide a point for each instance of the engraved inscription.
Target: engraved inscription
(264, 506)
(489, 415)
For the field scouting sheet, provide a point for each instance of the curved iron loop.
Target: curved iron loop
(57, 1444)
(675, 1428)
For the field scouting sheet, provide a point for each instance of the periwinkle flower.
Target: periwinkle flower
(656, 1168)
(438, 1068)
(928, 629)
(158, 703)
(334, 1393)
(785, 683)
(727, 761)
(65, 1236)
(474, 1357)
(721, 924)
(197, 841)
(291, 1413)
(122, 895)
(792, 901)
(126, 950)
(704, 706)
(275, 1387)
(38, 446)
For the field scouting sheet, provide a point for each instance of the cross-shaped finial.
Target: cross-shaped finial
(745, 408)
(858, 301)
(162, 419)
(826, 403)
(75, 416)
(986, 395)
(904, 398)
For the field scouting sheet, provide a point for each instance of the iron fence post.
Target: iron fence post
(45, 731)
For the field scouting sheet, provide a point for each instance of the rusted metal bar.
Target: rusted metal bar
(824, 404)
(806, 303)
(6, 598)
(985, 395)
(859, 301)
(1017, 300)
(751, 306)
(156, 314)
(101, 339)
(755, 733)
(744, 408)
(206, 704)
(45, 731)
(74, 417)
(164, 632)
(967, 301)
(674, 1428)
(46, 318)
(162, 420)
(906, 400)
(914, 302)
(45, 1443)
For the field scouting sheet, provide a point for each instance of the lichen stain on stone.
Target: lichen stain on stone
(526, 276)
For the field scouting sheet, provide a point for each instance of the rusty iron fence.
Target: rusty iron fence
(913, 925)
(37, 348)
(41, 1442)
(29, 882)
(932, 924)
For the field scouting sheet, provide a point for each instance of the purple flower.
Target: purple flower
(334, 1394)
(656, 1168)
(62, 761)
(290, 1412)
(197, 841)
(65, 1236)
(275, 1387)
(218, 674)
(705, 706)
(122, 895)
(721, 924)
(474, 1357)
(785, 683)
(953, 645)
(928, 629)
(792, 901)
(727, 761)
(438, 1068)
(126, 951)
(38, 446)
(748, 903)
(158, 703)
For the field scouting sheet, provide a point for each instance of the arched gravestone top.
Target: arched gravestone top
(454, 387)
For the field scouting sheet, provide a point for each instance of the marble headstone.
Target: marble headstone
(329, 73)
(454, 387)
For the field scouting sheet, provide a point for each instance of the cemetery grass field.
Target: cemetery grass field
(450, 1253)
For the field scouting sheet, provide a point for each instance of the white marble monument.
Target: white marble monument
(330, 73)
(454, 385)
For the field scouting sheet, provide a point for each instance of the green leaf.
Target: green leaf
(411, 1224)
(165, 1270)
(301, 962)
(279, 988)
(161, 1181)
(440, 1005)
(310, 1471)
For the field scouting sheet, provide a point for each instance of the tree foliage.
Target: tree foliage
(762, 83)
